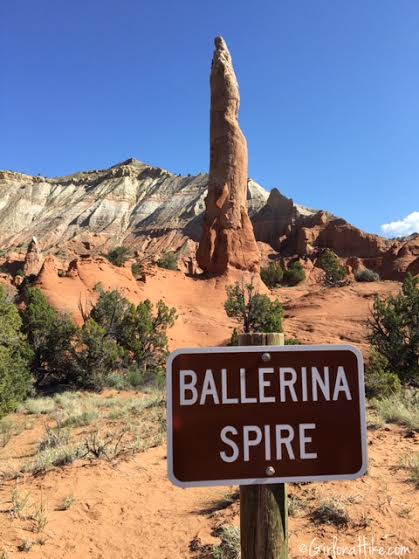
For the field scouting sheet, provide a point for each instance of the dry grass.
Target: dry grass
(67, 503)
(54, 438)
(39, 519)
(332, 511)
(8, 429)
(50, 458)
(229, 548)
(297, 506)
(110, 445)
(38, 406)
(402, 409)
(87, 426)
(81, 419)
(410, 463)
(19, 503)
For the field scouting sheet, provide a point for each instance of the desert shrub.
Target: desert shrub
(292, 341)
(168, 261)
(110, 312)
(50, 335)
(7, 429)
(379, 380)
(394, 330)
(20, 273)
(118, 256)
(295, 274)
(229, 547)
(297, 506)
(54, 438)
(116, 335)
(234, 339)
(117, 380)
(81, 419)
(401, 408)
(139, 331)
(411, 464)
(137, 270)
(97, 357)
(135, 378)
(37, 406)
(254, 311)
(272, 274)
(67, 502)
(15, 357)
(49, 458)
(367, 275)
(144, 335)
(331, 511)
(330, 263)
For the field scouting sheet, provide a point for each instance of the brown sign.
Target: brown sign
(265, 414)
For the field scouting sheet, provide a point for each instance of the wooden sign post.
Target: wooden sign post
(263, 508)
(260, 415)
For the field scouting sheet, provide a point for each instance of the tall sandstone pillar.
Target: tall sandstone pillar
(228, 240)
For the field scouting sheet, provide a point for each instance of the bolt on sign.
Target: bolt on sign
(265, 414)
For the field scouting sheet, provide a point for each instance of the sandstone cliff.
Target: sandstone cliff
(146, 207)
(154, 211)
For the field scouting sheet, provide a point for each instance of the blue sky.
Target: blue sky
(330, 93)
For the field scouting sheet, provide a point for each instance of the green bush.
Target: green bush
(144, 335)
(272, 274)
(234, 339)
(15, 357)
(139, 331)
(137, 270)
(367, 275)
(394, 330)
(135, 378)
(97, 356)
(110, 311)
(380, 382)
(295, 274)
(116, 336)
(119, 255)
(50, 335)
(335, 272)
(255, 312)
(168, 261)
(292, 341)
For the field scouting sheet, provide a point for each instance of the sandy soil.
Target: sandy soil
(130, 510)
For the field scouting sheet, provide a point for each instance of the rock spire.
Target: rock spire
(228, 240)
(33, 259)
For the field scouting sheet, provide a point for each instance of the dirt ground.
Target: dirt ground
(128, 509)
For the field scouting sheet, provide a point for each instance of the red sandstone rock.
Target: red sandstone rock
(227, 240)
(49, 268)
(73, 269)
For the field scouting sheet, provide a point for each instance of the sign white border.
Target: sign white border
(264, 480)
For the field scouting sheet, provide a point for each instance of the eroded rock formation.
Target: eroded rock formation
(33, 259)
(228, 239)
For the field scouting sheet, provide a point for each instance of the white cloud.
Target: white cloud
(406, 226)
